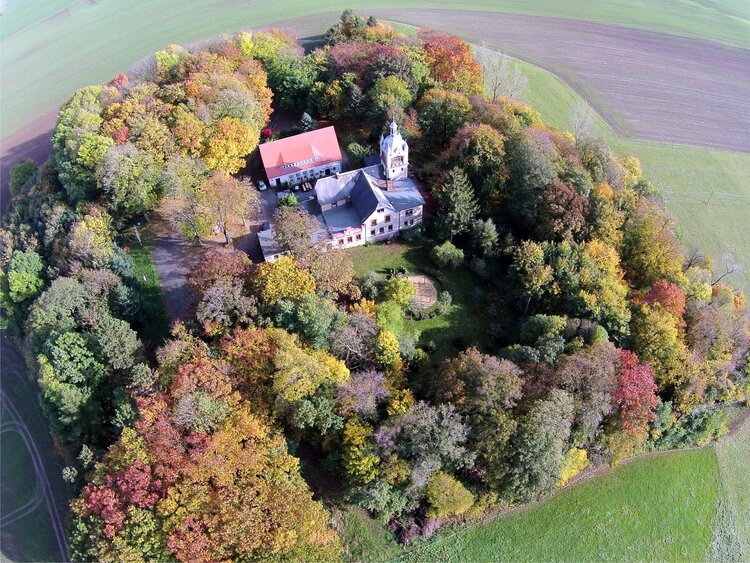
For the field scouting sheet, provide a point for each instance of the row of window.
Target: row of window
(381, 230)
(349, 240)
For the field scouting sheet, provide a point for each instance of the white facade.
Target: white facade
(394, 154)
(299, 176)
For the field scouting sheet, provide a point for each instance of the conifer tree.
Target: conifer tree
(458, 204)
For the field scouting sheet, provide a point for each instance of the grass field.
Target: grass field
(731, 538)
(462, 325)
(156, 324)
(654, 509)
(679, 506)
(24, 512)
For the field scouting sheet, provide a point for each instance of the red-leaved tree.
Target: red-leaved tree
(636, 393)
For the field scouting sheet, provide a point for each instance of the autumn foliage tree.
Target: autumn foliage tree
(451, 62)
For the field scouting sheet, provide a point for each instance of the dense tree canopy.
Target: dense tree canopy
(599, 339)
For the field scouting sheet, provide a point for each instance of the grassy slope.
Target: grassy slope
(90, 42)
(658, 509)
(707, 190)
(731, 541)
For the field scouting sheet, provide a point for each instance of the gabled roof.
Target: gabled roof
(300, 152)
(366, 198)
(335, 188)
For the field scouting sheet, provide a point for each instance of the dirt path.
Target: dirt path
(174, 258)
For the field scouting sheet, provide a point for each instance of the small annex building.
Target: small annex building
(301, 158)
(370, 204)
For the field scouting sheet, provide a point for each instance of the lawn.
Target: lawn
(731, 541)
(155, 325)
(463, 324)
(659, 508)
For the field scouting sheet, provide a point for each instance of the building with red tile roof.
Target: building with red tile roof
(301, 158)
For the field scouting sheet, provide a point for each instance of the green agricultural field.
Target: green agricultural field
(450, 332)
(42, 42)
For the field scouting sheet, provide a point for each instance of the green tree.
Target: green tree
(312, 317)
(532, 160)
(25, 279)
(538, 448)
(457, 204)
(69, 377)
(77, 145)
(389, 93)
(117, 342)
(441, 114)
(484, 236)
(480, 150)
(20, 174)
(131, 179)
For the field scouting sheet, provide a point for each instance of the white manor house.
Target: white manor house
(369, 204)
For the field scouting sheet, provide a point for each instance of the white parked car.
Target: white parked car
(262, 185)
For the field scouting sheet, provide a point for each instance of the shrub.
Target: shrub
(381, 499)
(20, 175)
(288, 200)
(447, 496)
(576, 460)
(447, 255)
(370, 284)
(412, 233)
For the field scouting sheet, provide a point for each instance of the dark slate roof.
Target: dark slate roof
(404, 195)
(367, 190)
(341, 217)
(268, 244)
(366, 198)
(335, 188)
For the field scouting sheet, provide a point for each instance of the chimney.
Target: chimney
(389, 187)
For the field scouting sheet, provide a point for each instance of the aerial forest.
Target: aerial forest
(295, 385)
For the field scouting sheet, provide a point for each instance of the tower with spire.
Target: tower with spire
(394, 154)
